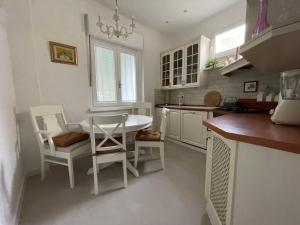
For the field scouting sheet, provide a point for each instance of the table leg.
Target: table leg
(132, 169)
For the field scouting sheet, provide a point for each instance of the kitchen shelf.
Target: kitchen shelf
(168, 88)
(275, 50)
(213, 68)
(239, 64)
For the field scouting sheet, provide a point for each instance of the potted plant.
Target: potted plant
(212, 64)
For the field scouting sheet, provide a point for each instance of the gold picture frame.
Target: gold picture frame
(61, 53)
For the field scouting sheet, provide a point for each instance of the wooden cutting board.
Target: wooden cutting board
(212, 98)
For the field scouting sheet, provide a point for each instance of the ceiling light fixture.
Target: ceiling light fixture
(116, 30)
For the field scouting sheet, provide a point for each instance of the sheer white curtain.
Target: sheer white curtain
(128, 77)
(105, 74)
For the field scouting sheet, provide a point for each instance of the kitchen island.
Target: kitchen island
(256, 129)
(252, 171)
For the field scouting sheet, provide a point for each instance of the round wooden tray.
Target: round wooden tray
(212, 98)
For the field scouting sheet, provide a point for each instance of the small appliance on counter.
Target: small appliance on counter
(287, 111)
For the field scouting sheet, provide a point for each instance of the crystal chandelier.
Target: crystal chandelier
(116, 30)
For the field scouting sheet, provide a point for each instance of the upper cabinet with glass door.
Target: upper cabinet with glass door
(177, 56)
(187, 67)
(192, 64)
(166, 70)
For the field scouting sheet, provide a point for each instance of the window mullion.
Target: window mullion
(117, 75)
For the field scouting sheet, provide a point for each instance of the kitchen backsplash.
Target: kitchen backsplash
(227, 86)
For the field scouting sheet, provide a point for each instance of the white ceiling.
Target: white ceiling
(155, 13)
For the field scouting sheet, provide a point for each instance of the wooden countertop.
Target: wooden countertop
(256, 129)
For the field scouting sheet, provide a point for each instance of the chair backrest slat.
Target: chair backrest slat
(163, 124)
(142, 108)
(50, 122)
(100, 123)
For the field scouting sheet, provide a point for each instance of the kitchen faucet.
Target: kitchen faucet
(181, 100)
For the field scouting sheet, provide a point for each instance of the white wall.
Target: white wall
(227, 18)
(11, 177)
(38, 81)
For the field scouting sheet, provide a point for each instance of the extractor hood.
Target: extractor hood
(275, 50)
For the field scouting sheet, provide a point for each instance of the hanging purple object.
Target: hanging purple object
(262, 20)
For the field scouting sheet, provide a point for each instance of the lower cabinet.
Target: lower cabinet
(173, 124)
(158, 118)
(185, 126)
(192, 129)
(220, 165)
(247, 184)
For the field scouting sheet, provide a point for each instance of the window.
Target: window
(128, 77)
(114, 70)
(230, 39)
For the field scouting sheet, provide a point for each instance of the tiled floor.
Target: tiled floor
(174, 196)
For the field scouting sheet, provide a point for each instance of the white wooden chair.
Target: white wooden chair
(142, 108)
(49, 122)
(152, 139)
(110, 148)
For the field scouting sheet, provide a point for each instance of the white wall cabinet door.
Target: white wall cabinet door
(184, 67)
(192, 74)
(177, 67)
(173, 125)
(166, 70)
(192, 129)
(196, 56)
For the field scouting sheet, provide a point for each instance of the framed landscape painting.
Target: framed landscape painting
(61, 53)
(250, 86)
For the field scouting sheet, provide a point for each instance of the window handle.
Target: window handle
(119, 84)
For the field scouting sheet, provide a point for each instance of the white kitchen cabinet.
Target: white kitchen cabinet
(249, 184)
(177, 67)
(185, 126)
(166, 69)
(183, 67)
(220, 163)
(173, 124)
(192, 129)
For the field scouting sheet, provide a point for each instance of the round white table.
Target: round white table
(132, 124)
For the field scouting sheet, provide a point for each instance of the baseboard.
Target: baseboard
(20, 202)
(198, 149)
(33, 173)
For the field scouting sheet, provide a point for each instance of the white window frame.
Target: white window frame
(104, 106)
(230, 51)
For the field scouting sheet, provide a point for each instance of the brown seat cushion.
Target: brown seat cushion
(109, 143)
(67, 139)
(147, 135)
